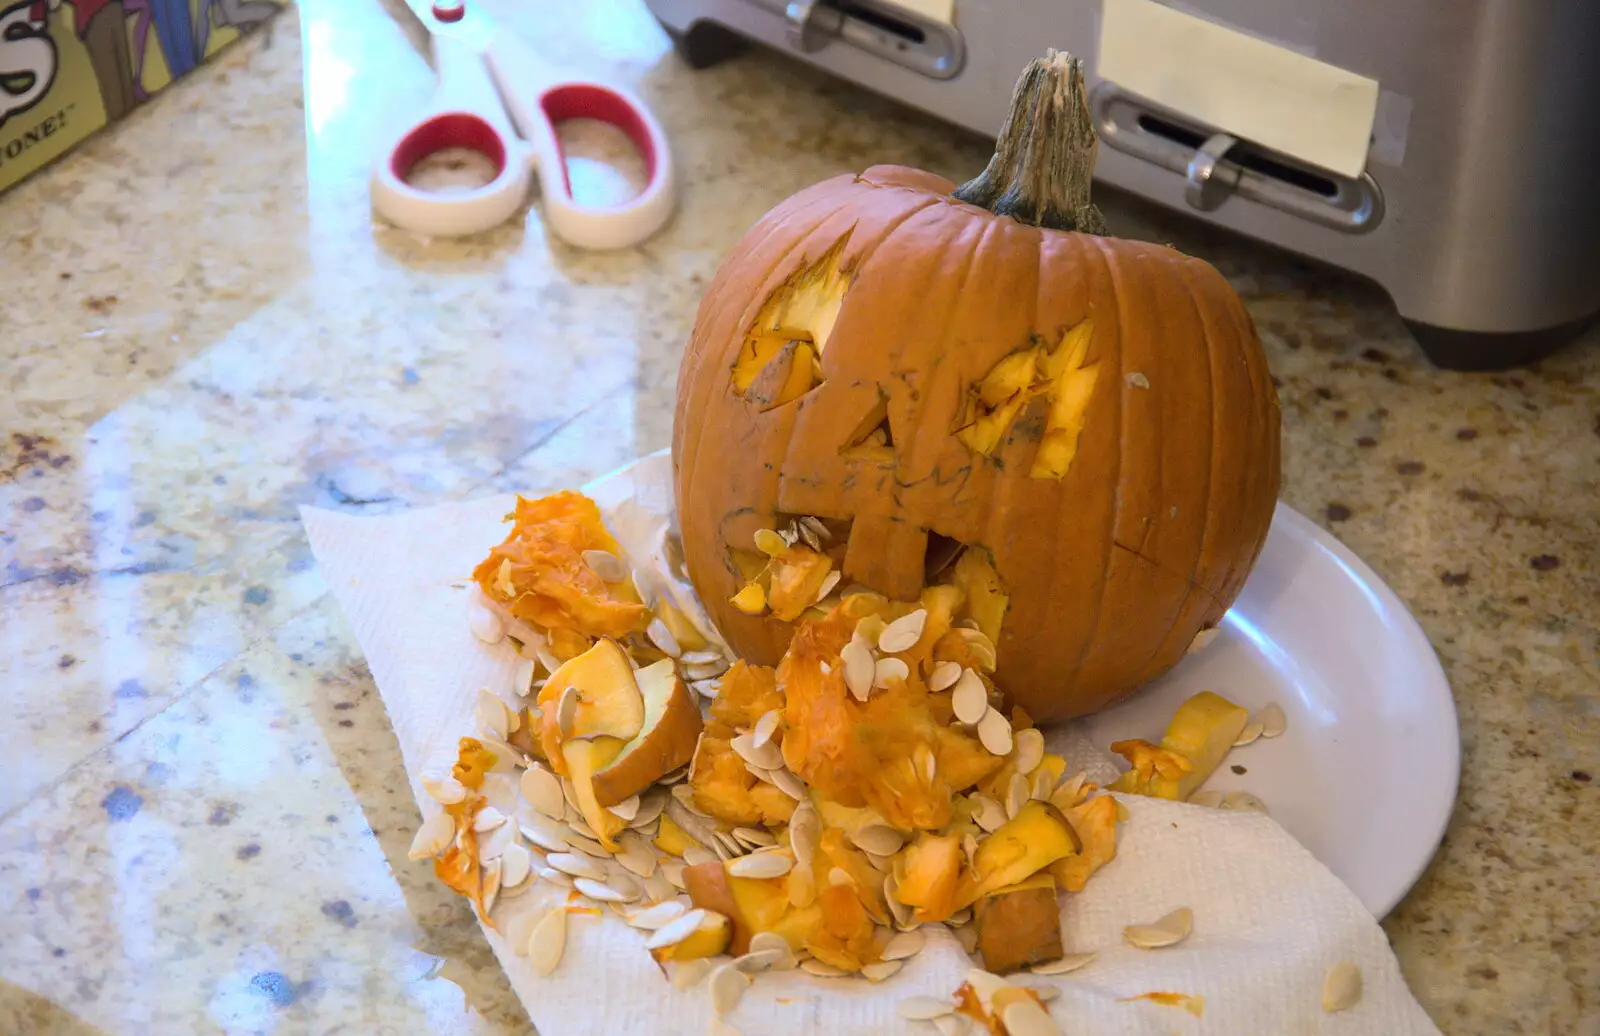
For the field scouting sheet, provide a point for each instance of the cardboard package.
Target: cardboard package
(70, 67)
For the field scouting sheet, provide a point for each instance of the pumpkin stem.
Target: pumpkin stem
(1044, 159)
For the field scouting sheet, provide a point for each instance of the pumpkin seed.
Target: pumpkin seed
(879, 839)
(674, 777)
(889, 669)
(1069, 791)
(903, 633)
(970, 698)
(987, 812)
(706, 688)
(1017, 792)
(695, 855)
(643, 586)
(704, 670)
(606, 565)
(627, 809)
(770, 543)
(953, 1025)
(829, 581)
(869, 629)
(760, 960)
(900, 911)
(766, 755)
(818, 529)
(725, 846)
(487, 819)
(705, 657)
(491, 884)
(494, 844)
(765, 727)
(961, 917)
(1251, 731)
(1062, 965)
(840, 876)
(980, 646)
(1043, 782)
(581, 828)
(924, 759)
(542, 789)
(543, 832)
(994, 731)
(1243, 802)
(522, 681)
(567, 710)
(760, 866)
(782, 958)
(880, 970)
(686, 974)
(485, 624)
(1167, 931)
(637, 855)
(674, 932)
(432, 837)
(789, 784)
(1029, 750)
(554, 876)
(969, 846)
(1341, 987)
(516, 863)
(1137, 380)
(821, 970)
(1026, 1018)
(577, 865)
(599, 890)
(967, 936)
(548, 941)
(519, 931)
(547, 658)
(859, 669)
(754, 837)
(447, 791)
(587, 845)
(672, 870)
(657, 916)
(493, 718)
(1273, 721)
(944, 676)
(903, 945)
(1209, 799)
(923, 1008)
(1202, 640)
(662, 638)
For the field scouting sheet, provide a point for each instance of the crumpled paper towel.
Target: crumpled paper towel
(1269, 920)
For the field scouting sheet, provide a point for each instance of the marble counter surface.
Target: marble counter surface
(203, 817)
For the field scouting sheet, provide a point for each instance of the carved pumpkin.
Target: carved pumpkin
(929, 369)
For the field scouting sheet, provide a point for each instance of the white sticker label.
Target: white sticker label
(1255, 90)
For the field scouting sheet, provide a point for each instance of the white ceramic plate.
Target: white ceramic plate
(1365, 775)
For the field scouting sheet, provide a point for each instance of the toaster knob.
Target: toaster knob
(812, 24)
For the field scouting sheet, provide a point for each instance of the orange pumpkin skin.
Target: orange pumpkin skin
(1112, 568)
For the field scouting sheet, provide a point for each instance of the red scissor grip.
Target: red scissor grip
(447, 130)
(590, 101)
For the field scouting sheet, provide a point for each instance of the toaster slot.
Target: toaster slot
(895, 34)
(1216, 170)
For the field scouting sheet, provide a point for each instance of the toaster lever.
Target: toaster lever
(812, 24)
(1207, 185)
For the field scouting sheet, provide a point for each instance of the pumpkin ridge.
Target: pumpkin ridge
(1208, 532)
(1096, 246)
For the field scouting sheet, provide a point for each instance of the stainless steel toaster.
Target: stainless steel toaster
(1475, 206)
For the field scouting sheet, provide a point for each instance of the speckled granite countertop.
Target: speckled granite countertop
(203, 817)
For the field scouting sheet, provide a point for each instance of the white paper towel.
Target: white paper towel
(1269, 919)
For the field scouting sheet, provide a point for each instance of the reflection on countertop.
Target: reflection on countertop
(203, 818)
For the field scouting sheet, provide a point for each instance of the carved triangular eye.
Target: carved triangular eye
(873, 438)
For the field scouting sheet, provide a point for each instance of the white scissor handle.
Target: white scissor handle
(465, 112)
(538, 105)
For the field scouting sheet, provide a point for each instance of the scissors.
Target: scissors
(498, 98)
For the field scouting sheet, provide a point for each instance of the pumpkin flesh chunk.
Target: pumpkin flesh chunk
(1197, 740)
